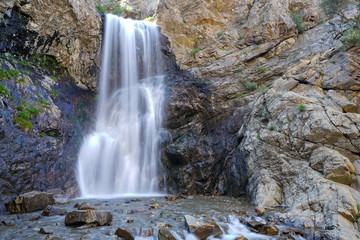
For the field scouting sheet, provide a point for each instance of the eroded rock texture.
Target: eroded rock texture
(293, 139)
(70, 31)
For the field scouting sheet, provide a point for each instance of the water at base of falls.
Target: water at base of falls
(122, 155)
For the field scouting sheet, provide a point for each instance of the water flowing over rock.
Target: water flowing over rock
(123, 153)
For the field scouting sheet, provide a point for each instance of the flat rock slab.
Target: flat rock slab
(88, 217)
(30, 202)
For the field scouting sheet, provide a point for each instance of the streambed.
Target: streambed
(144, 216)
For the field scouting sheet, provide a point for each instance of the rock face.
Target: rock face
(70, 31)
(89, 217)
(274, 114)
(30, 202)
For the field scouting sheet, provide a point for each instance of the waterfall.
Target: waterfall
(122, 155)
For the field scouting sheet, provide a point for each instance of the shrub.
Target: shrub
(301, 107)
(4, 92)
(298, 21)
(219, 34)
(241, 80)
(351, 38)
(271, 127)
(239, 69)
(149, 19)
(250, 86)
(262, 68)
(24, 115)
(195, 51)
(100, 8)
(118, 11)
(21, 80)
(13, 73)
(263, 88)
(54, 93)
(23, 124)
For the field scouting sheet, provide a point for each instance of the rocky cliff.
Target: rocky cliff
(272, 113)
(276, 114)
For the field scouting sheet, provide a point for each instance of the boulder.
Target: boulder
(85, 206)
(191, 223)
(89, 217)
(52, 211)
(269, 229)
(208, 229)
(125, 234)
(165, 234)
(30, 202)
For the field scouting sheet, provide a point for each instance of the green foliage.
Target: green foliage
(301, 107)
(357, 216)
(100, 8)
(331, 7)
(20, 108)
(239, 69)
(298, 21)
(24, 115)
(263, 88)
(241, 38)
(262, 68)
(43, 103)
(54, 93)
(241, 80)
(250, 86)
(351, 38)
(23, 123)
(13, 73)
(4, 92)
(219, 34)
(12, 99)
(271, 127)
(118, 11)
(42, 134)
(21, 80)
(195, 51)
(149, 19)
(248, 75)
(9, 74)
(51, 133)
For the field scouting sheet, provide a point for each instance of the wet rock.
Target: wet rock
(52, 211)
(154, 206)
(85, 206)
(123, 233)
(45, 231)
(9, 223)
(165, 214)
(89, 217)
(191, 223)
(208, 229)
(136, 200)
(174, 198)
(241, 238)
(146, 232)
(165, 234)
(269, 229)
(260, 210)
(53, 237)
(160, 225)
(129, 220)
(30, 202)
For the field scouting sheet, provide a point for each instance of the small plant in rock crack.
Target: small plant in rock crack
(301, 107)
(271, 127)
(193, 52)
(250, 86)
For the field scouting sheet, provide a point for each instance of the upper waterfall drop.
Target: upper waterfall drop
(122, 155)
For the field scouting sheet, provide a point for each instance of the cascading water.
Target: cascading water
(122, 155)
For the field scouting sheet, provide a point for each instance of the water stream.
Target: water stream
(122, 155)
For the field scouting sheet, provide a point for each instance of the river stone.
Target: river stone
(165, 234)
(53, 237)
(90, 217)
(123, 233)
(208, 229)
(191, 223)
(52, 211)
(269, 229)
(30, 202)
(86, 206)
(45, 231)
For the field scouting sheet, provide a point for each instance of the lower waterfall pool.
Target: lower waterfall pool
(191, 217)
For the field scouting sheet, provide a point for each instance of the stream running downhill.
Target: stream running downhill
(121, 156)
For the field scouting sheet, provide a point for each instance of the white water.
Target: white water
(122, 155)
